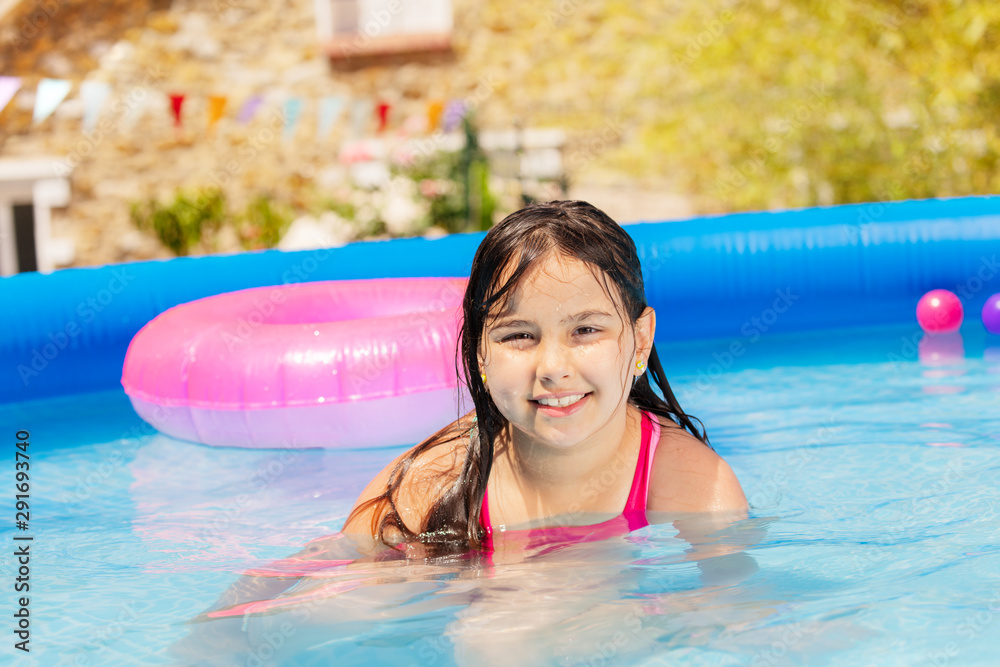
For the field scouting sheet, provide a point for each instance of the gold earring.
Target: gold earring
(483, 375)
(640, 364)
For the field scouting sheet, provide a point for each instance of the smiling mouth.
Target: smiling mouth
(564, 402)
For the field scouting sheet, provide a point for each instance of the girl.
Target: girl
(567, 432)
(557, 346)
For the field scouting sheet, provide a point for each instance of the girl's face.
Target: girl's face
(562, 338)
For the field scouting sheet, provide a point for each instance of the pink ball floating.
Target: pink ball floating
(939, 311)
(991, 314)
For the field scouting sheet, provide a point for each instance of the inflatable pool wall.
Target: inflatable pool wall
(717, 277)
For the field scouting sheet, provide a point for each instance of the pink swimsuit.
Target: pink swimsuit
(632, 518)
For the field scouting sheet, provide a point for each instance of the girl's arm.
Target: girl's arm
(355, 544)
(430, 474)
(222, 628)
(694, 488)
(268, 582)
(687, 476)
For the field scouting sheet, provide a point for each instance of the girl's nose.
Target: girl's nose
(554, 361)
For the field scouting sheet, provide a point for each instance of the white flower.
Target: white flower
(401, 211)
(308, 233)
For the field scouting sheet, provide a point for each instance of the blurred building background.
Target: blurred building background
(137, 129)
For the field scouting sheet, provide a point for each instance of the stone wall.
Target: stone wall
(501, 60)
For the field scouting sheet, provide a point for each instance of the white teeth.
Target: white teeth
(561, 402)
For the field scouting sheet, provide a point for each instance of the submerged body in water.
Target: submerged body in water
(531, 604)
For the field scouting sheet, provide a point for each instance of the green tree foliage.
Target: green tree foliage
(782, 103)
(809, 103)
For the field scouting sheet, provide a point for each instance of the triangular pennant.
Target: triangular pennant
(216, 108)
(414, 124)
(361, 113)
(434, 110)
(48, 97)
(330, 108)
(383, 116)
(176, 103)
(293, 113)
(136, 108)
(9, 85)
(93, 94)
(453, 115)
(250, 108)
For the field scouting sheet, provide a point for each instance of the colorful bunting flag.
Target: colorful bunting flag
(250, 108)
(453, 115)
(361, 113)
(216, 109)
(434, 110)
(93, 94)
(48, 96)
(414, 124)
(293, 113)
(383, 116)
(9, 85)
(176, 102)
(330, 108)
(136, 107)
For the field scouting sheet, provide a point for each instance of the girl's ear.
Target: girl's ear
(645, 331)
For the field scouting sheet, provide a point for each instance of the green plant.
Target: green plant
(457, 185)
(474, 170)
(263, 223)
(182, 223)
(344, 209)
(436, 175)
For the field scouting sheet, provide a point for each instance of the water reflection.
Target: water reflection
(943, 356)
(341, 595)
(241, 496)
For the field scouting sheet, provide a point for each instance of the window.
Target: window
(353, 28)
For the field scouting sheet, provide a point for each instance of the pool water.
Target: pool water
(870, 459)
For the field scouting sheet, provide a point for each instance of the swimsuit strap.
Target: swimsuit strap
(640, 480)
(644, 466)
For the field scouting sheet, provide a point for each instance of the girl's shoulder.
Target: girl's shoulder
(430, 473)
(689, 476)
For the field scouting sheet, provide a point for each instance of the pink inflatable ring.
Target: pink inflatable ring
(352, 363)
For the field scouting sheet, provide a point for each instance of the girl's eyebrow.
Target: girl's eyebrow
(509, 323)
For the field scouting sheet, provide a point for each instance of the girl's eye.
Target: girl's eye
(518, 336)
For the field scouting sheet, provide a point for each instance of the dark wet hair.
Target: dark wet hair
(510, 250)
